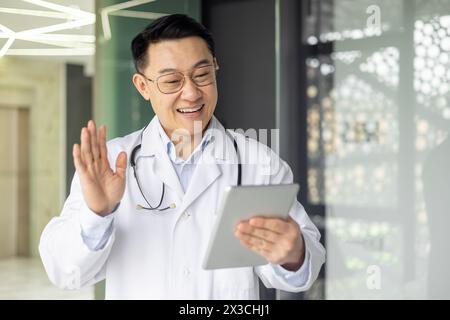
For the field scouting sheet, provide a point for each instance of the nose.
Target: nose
(190, 91)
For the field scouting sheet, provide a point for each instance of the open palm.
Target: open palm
(102, 187)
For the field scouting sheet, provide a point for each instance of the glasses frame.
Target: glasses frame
(191, 72)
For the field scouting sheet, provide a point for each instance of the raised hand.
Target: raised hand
(102, 187)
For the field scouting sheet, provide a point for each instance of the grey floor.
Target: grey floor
(25, 278)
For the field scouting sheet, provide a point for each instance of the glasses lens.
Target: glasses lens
(170, 82)
(203, 76)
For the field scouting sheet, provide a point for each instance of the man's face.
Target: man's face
(182, 55)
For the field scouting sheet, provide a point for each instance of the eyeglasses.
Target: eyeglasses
(173, 82)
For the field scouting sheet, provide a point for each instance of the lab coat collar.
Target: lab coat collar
(207, 170)
(219, 146)
(151, 142)
(152, 146)
(170, 147)
(219, 150)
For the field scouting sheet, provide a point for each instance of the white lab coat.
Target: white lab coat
(159, 256)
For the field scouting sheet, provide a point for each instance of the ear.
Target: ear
(141, 85)
(216, 63)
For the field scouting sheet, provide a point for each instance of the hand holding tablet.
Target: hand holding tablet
(238, 204)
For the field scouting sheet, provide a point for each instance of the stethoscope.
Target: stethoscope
(172, 205)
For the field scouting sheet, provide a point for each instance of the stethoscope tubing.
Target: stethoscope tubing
(133, 164)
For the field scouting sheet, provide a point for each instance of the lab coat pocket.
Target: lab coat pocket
(235, 278)
(235, 283)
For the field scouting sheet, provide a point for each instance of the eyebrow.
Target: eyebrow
(197, 64)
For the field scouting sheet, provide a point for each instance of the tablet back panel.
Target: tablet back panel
(241, 203)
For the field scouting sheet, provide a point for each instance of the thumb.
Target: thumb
(121, 164)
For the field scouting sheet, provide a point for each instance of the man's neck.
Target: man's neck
(185, 144)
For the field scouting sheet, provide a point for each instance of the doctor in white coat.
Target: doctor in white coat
(141, 207)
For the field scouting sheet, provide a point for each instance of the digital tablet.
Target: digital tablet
(241, 203)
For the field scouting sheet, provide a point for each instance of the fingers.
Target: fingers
(256, 244)
(77, 158)
(93, 139)
(275, 239)
(275, 252)
(121, 164)
(102, 143)
(286, 230)
(86, 154)
(259, 250)
(265, 234)
(256, 238)
(93, 148)
(274, 224)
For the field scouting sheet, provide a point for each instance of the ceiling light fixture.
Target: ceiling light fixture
(36, 13)
(71, 44)
(52, 52)
(117, 10)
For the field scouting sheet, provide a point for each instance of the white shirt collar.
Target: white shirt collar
(170, 147)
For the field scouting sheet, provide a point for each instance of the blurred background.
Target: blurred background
(359, 90)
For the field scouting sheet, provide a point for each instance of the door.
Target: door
(14, 182)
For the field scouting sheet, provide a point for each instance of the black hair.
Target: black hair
(174, 26)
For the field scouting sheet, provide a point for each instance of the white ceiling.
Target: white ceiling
(68, 50)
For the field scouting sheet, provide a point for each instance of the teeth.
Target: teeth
(190, 109)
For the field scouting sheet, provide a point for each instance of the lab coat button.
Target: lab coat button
(186, 272)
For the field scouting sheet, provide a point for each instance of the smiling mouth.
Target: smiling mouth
(190, 110)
